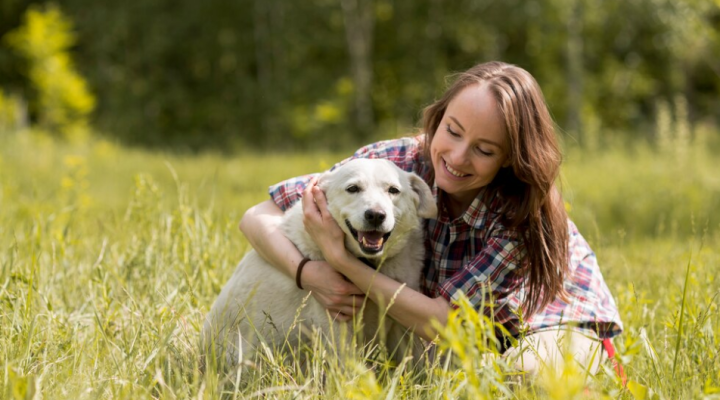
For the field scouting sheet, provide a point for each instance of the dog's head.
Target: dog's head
(372, 200)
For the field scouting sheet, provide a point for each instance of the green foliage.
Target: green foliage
(631, 191)
(275, 73)
(112, 257)
(469, 340)
(64, 101)
(10, 113)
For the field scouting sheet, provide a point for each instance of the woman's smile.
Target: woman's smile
(455, 173)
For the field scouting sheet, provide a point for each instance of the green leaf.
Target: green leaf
(638, 390)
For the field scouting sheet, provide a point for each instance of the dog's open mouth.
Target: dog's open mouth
(371, 242)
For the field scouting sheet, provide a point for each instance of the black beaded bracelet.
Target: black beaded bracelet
(299, 271)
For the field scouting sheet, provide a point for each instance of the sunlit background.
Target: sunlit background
(278, 74)
(135, 133)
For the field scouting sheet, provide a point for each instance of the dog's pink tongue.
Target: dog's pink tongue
(372, 239)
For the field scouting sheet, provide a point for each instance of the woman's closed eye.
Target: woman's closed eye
(483, 152)
(451, 132)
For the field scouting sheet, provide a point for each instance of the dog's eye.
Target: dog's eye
(352, 189)
(393, 190)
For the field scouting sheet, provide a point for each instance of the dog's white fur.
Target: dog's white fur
(260, 303)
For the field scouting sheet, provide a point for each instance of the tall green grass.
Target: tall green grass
(111, 258)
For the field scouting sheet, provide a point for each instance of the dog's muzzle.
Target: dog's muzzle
(371, 242)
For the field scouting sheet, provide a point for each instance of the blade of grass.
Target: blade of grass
(682, 313)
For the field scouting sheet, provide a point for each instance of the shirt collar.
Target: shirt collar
(475, 216)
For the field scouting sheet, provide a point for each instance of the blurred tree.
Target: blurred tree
(63, 101)
(337, 73)
(574, 59)
(359, 17)
(12, 113)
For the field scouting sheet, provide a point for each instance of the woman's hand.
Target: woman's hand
(330, 288)
(321, 226)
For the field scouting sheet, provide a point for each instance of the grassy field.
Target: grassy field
(111, 257)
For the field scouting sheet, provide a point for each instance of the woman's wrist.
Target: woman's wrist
(338, 259)
(298, 273)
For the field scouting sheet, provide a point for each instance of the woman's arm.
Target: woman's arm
(261, 226)
(412, 309)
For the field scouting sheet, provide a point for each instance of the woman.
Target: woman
(502, 236)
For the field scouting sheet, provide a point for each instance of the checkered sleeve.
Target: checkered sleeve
(403, 152)
(491, 277)
(286, 193)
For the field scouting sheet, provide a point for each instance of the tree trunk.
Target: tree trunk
(264, 70)
(574, 123)
(359, 20)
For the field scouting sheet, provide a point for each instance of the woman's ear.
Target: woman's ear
(507, 162)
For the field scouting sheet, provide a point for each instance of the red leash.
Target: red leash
(610, 349)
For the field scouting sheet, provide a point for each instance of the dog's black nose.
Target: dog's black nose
(375, 218)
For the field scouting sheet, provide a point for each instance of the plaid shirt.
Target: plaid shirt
(476, 255)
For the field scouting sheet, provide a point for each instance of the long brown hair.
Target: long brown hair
(532, 203)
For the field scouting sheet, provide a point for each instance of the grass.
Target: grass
(111, 258)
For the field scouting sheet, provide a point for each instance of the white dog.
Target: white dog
(379, 207)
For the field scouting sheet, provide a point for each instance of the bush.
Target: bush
(64, 102)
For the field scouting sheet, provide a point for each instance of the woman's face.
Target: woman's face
(470, 144)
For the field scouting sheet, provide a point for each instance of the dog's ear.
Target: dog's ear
(324, 180)
(425, 201)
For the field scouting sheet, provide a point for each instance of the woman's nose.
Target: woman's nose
(458, 155)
